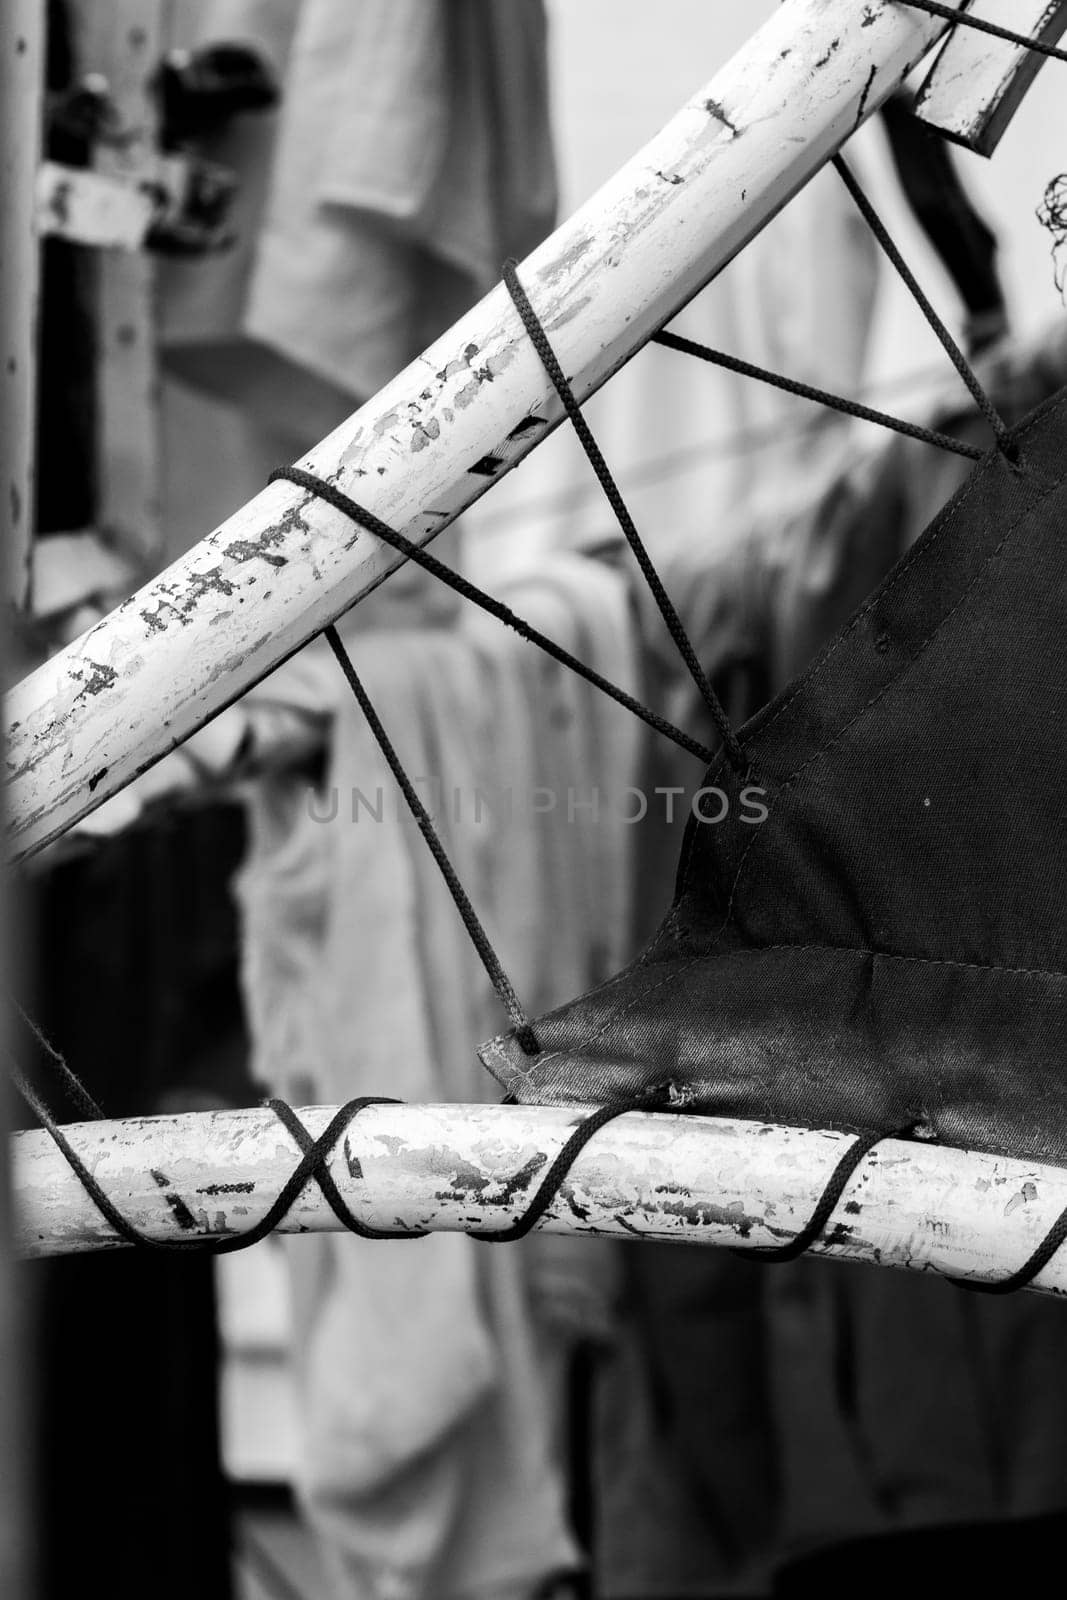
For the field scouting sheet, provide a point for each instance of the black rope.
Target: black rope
(540, 341)
(851, 408)
(1030, 1268)
(363, 518)
(70, 1082)
(647, 1100)
(861, 1147)
(965, 20)
(1001, 432)
(835, 1188)
(313, 1167)
(315, 1153)
(477, 934)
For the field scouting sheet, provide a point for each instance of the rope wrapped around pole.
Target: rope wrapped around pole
(280, 569)
(468, 1168)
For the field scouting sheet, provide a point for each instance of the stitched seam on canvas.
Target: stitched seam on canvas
(889, 955)
(617, 1016)
(769, 949)
(672, 977)
(1050, 485)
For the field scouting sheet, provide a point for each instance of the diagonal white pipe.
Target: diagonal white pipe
(473, 405)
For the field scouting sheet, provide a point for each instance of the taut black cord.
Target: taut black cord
(333, 496)
(313, 1167)
(835, 1188)
(315, 1153)
(851, 408)
(69, 1081)
(963, 18)
(1034, 1263)
(648, 1100)
(1001, 432)
(477, 934)
(549, 360)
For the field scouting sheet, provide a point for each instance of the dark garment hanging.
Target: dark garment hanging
(887, 949)
(686, 1478)
(900, 1404)
(965, 243)
(132, 972)
(976, 1557)
(66, 401)
(685, 1491)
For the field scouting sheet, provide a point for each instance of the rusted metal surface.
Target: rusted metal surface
(977, 82)
(463, 1168)
(459, 417)
(21, 89)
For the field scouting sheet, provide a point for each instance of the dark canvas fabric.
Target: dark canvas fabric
(887, 949)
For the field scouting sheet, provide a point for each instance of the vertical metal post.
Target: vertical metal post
(123, 40)
(22, 41)
(21, 89)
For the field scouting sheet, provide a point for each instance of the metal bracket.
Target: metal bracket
(180, 209)
(978, 82)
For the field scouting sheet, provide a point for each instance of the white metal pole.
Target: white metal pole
(21, 90)
(467, 410)
(453, 1168)
(978, 82)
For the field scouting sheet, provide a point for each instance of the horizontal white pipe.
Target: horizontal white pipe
(453, 1168)
(473, 405)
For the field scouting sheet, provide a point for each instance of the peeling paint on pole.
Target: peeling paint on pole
(696, 1180)
(602, 285)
